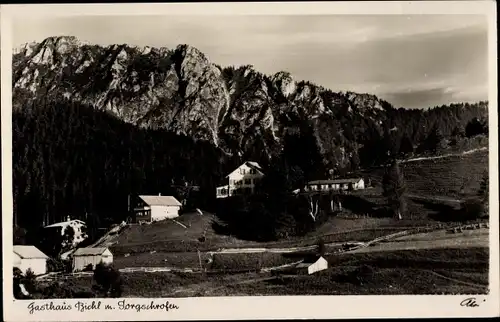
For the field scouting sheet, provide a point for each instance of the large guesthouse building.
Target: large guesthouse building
(242, 180)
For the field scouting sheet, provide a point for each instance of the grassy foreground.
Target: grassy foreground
(438, 271)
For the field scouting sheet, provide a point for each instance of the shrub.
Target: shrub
(88, 268)
(29, 281)
(56, 290)
(472, 208)
(108, 279)
(55, 266)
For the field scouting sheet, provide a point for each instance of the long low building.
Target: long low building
(336, 184)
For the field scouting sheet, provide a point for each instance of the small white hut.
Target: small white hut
(29, 257)
(84, 257)
(311, 266)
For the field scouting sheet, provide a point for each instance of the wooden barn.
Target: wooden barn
(311, 265)
(83, 257)
(29, 257)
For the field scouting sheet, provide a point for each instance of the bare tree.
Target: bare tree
(313, 208)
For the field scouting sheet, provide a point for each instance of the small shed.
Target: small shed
(29, 257)
(84, 257)
(312, 265)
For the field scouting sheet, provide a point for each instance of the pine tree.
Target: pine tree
(484, 193)
(406, 146)
(395, 189)
(435, 141)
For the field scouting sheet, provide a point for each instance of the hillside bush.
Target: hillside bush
(108, 280)
(472, 208)
(55, 265)
(29, 281)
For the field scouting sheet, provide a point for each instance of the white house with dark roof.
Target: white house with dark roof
(83, 257)
(335, 184)
(242, 180)
(29, 257)
(155, 208)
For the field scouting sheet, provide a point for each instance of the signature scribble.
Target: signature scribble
(470, 302)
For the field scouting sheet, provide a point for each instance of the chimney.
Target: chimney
(159, 194)
(68, 218)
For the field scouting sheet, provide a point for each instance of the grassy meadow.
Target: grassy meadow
(438, 271)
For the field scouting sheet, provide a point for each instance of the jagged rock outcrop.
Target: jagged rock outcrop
(238, 109)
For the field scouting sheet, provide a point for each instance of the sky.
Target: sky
(412, 61)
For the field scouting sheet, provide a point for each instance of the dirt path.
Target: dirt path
(433, 198)
(457, 281)
(437, 239)
(269, 250)
(445, 156)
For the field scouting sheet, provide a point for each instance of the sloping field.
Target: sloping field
(434, 187)
(433, 240)
(443, 176)
(184, 234)
(168, 236)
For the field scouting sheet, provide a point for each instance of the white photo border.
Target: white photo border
(253, 307)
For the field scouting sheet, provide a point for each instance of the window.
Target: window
(252, 171)
(248, 181)
(242, 171)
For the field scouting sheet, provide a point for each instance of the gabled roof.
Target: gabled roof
(309, 260)
(160, 200)
(336, 181)
(251, 165)
(65, 223)
(254, 165)
(89, 251)
(29, 251)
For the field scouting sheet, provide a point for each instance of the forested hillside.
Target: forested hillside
(69, 159)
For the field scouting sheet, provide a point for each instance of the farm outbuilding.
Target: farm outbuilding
(29, 257)
(311, 265)
(83, 257)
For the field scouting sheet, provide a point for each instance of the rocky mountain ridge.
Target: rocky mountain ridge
(236, 108)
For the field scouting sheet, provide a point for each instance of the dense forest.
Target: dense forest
(69, 159)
